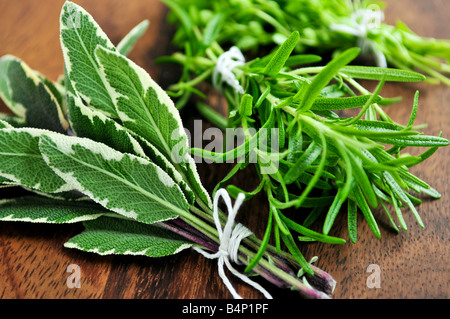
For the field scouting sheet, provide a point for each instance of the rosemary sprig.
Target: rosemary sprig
(322, 160)
(326, 27)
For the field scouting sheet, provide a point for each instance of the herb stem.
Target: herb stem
(268, 18)
(206, 228)
(288, 279)
(194, 82)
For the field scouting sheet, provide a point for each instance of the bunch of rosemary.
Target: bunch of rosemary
(105, 146)
(325, 27)
(322, 162)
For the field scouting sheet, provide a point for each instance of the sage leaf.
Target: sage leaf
(155, 156)
(56, 88)
(89, 123)
(29, 97)
(108, 236)
(21, 161)
(39, 209)
(146, 109)
(142, 105)
(121, 182)
(80, 35)
(12, 120)
(5, 90)
(5, 124)
(192, 176)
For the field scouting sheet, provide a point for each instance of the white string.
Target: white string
(362, 21)
(226, 62)
(230, 238)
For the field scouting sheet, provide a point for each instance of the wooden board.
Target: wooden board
(413, 264)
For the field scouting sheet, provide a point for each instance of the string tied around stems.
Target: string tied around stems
(230, 238)
(363, 20)
(223, 71)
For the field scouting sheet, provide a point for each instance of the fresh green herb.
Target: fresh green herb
(326, 27)
(321, 161)
(108, 149)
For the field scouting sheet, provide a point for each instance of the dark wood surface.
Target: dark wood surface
(413, 264)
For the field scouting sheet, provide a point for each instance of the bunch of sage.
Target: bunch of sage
(105, 146)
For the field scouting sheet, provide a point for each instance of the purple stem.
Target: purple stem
(321, 280)
(322, 284)
(307, 292)
(183, 225)
(188, 235)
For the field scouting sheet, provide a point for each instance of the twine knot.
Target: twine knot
(226, 62)
(362, 21)
(230, 238)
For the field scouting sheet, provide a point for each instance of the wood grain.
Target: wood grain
(413, 264)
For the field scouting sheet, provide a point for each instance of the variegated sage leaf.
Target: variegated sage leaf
(191, 173)
(12, 120)
(80, 35)
(4, 181)
(147, 110)
(5, 124)
(142, 105)
(56, 88)
(21, 161)
(29, 97)
(126, 184)
(159, 159)
(39, 209)
(5, 91)
(86, 122)
(90, 123)
(107, 236)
